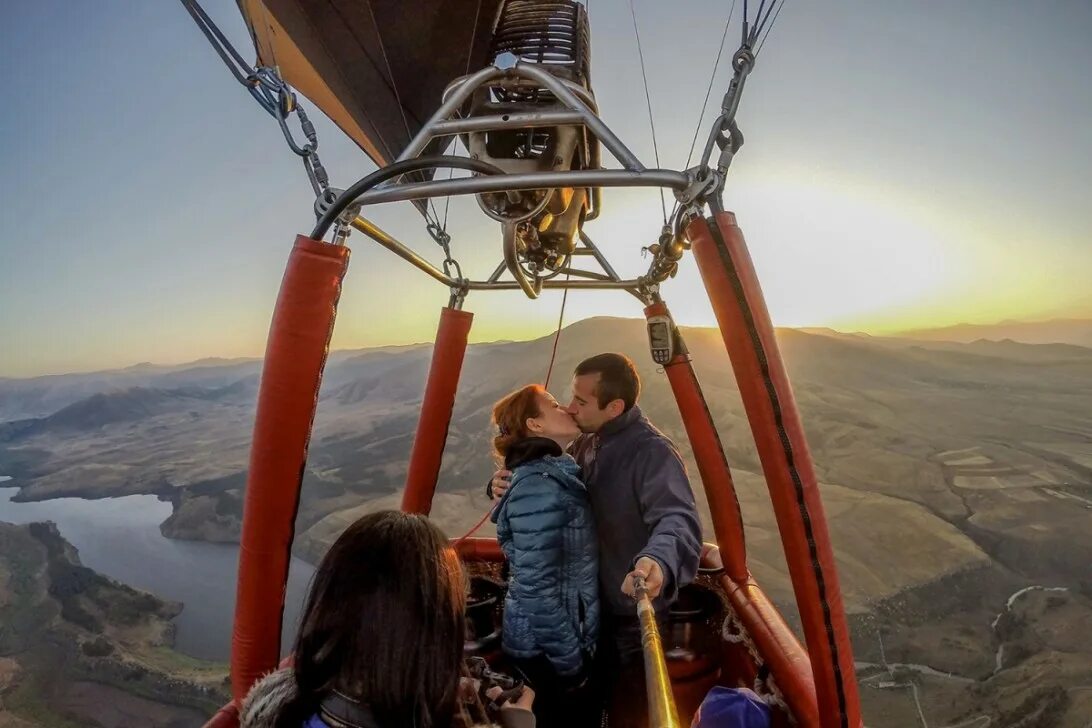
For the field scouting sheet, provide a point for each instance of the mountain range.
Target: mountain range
(1053, 331)
(953, 475)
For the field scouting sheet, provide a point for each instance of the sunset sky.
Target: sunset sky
(908, 164)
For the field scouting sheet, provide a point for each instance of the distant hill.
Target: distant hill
(33, 397)
(1054, 331)
(126, 405)
(43, 396)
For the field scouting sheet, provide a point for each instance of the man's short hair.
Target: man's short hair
(618, 379)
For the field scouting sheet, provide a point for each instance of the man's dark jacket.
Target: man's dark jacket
(643, 506)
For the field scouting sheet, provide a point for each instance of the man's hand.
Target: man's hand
(502, 479)
(650, 569)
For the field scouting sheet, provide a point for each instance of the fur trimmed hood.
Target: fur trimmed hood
(266, 699)
(269, 695)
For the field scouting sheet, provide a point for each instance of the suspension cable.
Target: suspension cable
(466, 72)
(648, 101)
(758, 15)
(763, 19)
(271, 93)
(705, 102)
(244, 73)
(769, 30)
(746, 18)
(726, 133)
(753, 36)
(231, 58)
(557, 335)
(709, 90)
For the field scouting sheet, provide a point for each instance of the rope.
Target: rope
(478, 525)
(553, 356)
(557, 335)
(648, 101)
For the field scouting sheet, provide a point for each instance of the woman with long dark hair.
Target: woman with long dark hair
(545, 528)
(380, 643)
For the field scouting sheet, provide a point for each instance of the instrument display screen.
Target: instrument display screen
(659, 335)
(661, 340)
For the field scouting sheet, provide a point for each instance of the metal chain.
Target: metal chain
(287, 104)
(444, 241)
(451, 267)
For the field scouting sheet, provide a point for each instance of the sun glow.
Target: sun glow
(828, 253)
(825, 254)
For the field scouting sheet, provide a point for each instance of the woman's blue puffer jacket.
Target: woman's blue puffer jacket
(545, 528)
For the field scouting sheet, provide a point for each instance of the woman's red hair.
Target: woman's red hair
(510, 417)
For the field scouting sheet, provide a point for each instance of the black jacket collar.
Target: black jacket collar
(528, 449)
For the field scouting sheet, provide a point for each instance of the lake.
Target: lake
(120, 537)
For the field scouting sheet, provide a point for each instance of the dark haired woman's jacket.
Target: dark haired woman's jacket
(273, 693)
(545, 528)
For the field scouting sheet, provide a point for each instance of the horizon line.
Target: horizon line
(902, 333)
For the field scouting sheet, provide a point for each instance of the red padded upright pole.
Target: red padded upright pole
(439, 401)
(713, 468)
(748, 334)
(295, 355)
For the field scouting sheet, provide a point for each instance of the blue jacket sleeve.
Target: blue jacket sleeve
(669, 512)
(537, 517)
